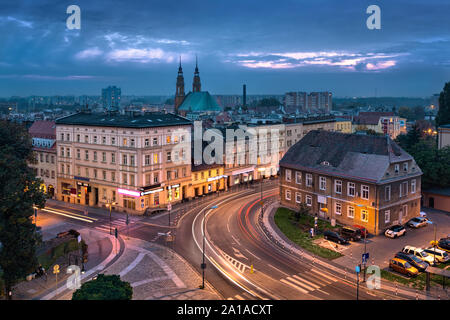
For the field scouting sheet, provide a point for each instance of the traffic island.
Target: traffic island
(297, 229)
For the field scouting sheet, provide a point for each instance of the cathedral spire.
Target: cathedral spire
(179, 94)
(196, 85)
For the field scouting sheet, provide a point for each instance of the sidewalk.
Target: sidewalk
(268, 224)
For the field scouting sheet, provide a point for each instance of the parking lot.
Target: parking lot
(381, 248)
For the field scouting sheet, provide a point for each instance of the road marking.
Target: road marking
(316, 278)
(253, 254)
(238, 254)
(102, 228)
(236, 240)
(294, 286)
(140, 283)
(323, 275)
(228, 227)
(278, 270)
(132, 265)
(308, 282)
(301, 284)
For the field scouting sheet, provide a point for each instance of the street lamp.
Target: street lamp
(261, 170)
(109, 204)
(203, 265)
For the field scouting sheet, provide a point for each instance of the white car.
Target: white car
(417, 222)
(440, 255)
(419, 253)
(395, 231)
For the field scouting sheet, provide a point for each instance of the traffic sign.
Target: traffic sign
(169, 206)
(56, 269)
(357, 269)
(365, 257)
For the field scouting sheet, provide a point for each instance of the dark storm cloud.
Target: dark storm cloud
(273, 46)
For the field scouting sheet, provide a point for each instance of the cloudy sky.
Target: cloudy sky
(273, 46)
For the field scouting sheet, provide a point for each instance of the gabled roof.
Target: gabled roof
(359, 157)
(371, 118)
(199, 102)
(43, 129)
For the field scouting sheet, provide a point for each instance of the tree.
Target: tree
(105, 287)
(303, 210)
(20, 190)
(443, 116)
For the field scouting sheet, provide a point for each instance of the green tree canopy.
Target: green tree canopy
(443, 116)
(105, 287)
(19, 191)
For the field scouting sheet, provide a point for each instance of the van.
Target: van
(439, 254)
(352, 234)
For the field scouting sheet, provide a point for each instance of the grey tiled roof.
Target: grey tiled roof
(146, 120)
(359, 157)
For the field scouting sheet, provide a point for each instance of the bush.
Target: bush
(105, 287)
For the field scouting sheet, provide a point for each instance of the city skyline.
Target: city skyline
(321, 46)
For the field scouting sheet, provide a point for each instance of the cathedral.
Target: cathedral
(196, 101)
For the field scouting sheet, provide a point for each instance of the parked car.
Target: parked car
(364, 232)
(412, 260)
(395, 231)
(403, 267)
(444, 244)
(440, 255)
(417, 222)
(419, 253)
(334, 236)
(352, 234)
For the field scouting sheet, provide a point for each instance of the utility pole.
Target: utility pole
(365, 251)
(357, 269)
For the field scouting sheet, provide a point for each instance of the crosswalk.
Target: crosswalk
(117, 223)
(309, 281)
(304, 282)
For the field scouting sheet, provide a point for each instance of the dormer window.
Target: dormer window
(397, 168)
(325, 163)
(405, 166)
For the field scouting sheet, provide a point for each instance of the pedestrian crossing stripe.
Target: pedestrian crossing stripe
(242, 296)
(102, 228)
(294, 286)
(314, 282)
(324, 275)
(306, 281)
(301, 284)
(316, 278)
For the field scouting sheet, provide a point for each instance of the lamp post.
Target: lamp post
(203, 265)
(109, 204)
(261, 170)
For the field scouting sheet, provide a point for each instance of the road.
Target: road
(234, 243)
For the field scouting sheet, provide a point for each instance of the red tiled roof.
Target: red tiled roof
(43, 129)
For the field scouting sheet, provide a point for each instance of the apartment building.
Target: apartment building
(138, 161)
(43, 135)
(444, 136)
(381, 122)
(351, 179)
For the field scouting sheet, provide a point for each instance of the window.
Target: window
(86, 139)
(155, 177)
(41, 155)
(132, 162)
(405, 166)
(124, 178)
(147, 159)
(364, 215)
(95, 173)
(86, 155)
(168, 139)
(288, 175)
(387, 193)
(148, 179)
(351, 212)
(125, 142)
(67, 152)
(78, 154)
(132, 142)
(298, 197)
(387, 216)
(104, 194)
(322, 183)
(87, 172)
(78, 138)
(298, 177)
(103, 156)
(53, 159)
(308, 200)
(397, 168)
(95, 155)
(62, 136)
(404, 189)
(365, 192)
(113, 158)
(168, 175)
(124, 159)
(132, 179)
(338, 208)
(62, 153)
(169, 156)
(68, 137)
(95, 139)
(351, 189)
(308, 179)
(62, 170)
(147, 142)
(288, 194)
(413, 186)
(338, 186)
(155, 141)
(113, 176)
(104, 175)
(175, 172)
(155, 158)
(113, 140)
